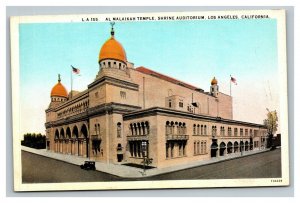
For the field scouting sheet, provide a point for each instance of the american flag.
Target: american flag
(75, 70)
(232, 79)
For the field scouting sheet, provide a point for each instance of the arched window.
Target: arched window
(201, 129)
(147, 128)
(198, 148)
(205, 130)
(119, 129)
(194, 129)
(195, 152)
(198, 129)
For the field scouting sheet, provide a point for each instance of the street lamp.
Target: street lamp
(144, 149)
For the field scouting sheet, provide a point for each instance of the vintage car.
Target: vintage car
(88, 165)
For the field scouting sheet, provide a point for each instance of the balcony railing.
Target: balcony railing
(137, 137)
(177, 137)
(96, 137)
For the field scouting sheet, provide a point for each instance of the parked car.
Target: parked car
(88, 165)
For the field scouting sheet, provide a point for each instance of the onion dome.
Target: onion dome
(59, 90)
(112, 49)
(214, 81)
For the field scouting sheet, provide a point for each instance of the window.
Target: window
(214, 130)
(109, 64)
(119, 130)
(195, 152)
(170, 103)
(198, 129)
(246, 132)
(123, 94)
(229, 131)
(167, 150)
(241, 132)
(205, 130)
(180, 103)
(194, 129)
(235, 132)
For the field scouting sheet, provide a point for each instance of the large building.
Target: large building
(129, 113)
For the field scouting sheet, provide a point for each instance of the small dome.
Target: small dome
(214, 81)
(59, 90)
(112, 49)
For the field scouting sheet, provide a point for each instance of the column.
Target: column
(84, 148)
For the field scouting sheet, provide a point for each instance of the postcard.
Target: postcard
(150, 100)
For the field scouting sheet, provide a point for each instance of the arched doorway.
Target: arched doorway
(246, 146)
(56, 137)
(119, 152)
(251, 143)
(236, 147)
(213, 149)
(222, 148)
(229, 147)
(74, 148)
(84, 142)
(242, 146)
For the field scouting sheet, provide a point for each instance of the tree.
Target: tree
(33, 140)
(271, 123)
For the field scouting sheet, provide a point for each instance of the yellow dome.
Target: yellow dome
(214, 81)
(112, 49)
(59, 90)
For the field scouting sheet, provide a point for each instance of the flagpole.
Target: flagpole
(71, 83)
(230, 84)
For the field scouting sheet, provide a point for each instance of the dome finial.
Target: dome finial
(112, 32)
(59, 78)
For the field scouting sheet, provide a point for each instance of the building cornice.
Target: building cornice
(99, 110)
(171, 112)
(114, 81)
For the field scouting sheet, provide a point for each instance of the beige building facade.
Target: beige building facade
(128, 114)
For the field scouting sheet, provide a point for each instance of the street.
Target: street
(39, 169)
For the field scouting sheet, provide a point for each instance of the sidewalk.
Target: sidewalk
(132, 172)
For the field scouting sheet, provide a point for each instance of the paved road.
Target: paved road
(263, 165)
(39, 169)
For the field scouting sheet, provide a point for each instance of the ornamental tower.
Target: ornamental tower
(214, 88)
(112, 53)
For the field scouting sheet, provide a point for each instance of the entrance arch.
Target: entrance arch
(56, 134)
(236, 147)
(242, 146)
(83, 146)
(68, 133)
(222, 148)
(213, 149)
(74, 147)
(229, 147)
